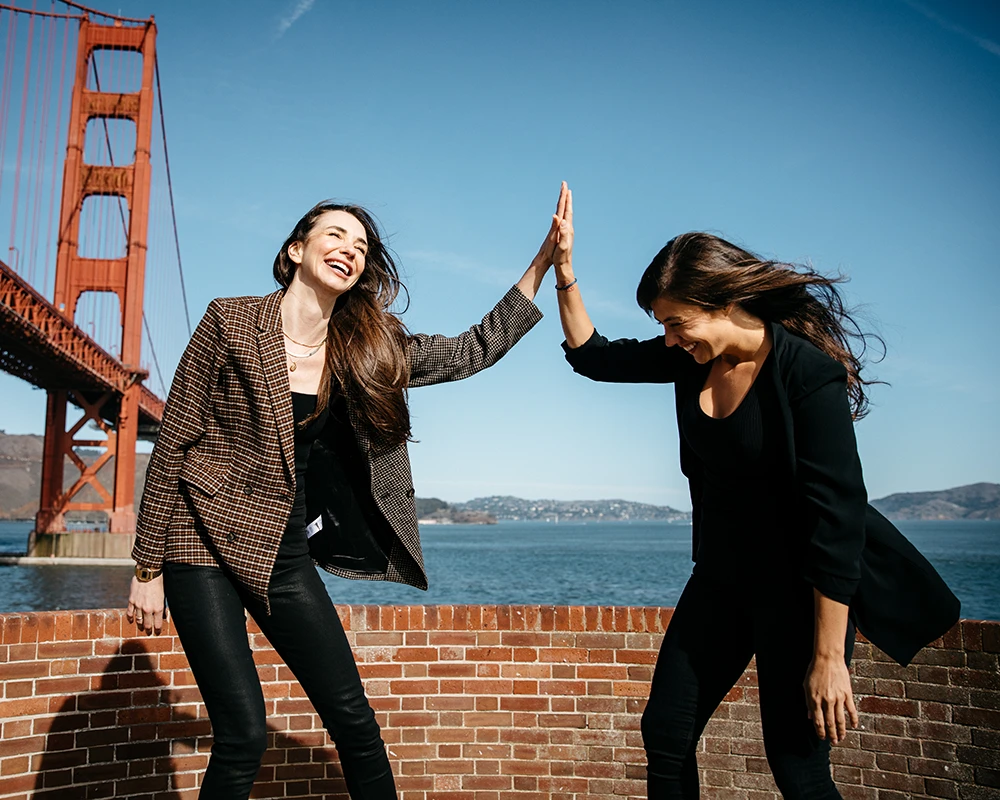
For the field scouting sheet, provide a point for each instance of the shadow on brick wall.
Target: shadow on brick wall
(134, 736)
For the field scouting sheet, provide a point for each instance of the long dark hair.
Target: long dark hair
(706, 271)
(366, 341)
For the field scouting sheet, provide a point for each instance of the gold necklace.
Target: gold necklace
(292, 365)
(303, 344)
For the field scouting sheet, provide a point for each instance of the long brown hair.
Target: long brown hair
(366, 341)
(706, 271)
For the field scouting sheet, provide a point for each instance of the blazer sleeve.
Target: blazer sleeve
(831, 485)
(629, 360)
(188, 405)
(439, 359)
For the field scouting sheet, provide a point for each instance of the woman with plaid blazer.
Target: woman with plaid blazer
(283, 442)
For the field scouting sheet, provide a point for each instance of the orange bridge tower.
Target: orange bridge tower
(113, 414)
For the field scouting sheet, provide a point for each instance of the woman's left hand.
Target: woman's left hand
(829, 697)
(540, 264)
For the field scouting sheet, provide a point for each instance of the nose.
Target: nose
(670, 338)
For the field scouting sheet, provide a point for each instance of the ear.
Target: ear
(295, 252)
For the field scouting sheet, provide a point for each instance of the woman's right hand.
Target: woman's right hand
(146, 605)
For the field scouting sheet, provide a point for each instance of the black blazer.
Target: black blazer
(851, 553)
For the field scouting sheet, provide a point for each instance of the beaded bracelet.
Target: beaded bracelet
(564, 288)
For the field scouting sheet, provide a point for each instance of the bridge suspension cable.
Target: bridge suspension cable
(37, 76)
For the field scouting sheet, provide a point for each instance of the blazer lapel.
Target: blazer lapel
(271, 346)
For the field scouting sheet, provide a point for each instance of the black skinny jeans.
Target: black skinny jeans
(715, 630)
(303, 627)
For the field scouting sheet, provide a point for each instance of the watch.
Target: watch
(145, 574)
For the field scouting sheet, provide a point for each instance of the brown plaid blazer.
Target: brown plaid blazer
(221, 480)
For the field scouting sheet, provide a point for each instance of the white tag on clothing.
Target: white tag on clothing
(314, 527)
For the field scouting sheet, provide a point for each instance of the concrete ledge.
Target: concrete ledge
(12, 560)
(80, 545)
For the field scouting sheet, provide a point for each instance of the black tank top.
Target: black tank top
(294, 544)
(739, 538)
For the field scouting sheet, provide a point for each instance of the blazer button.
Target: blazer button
(248, 489)
(231, 537)
(410, 492)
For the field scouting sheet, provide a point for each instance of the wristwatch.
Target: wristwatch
(145, 574)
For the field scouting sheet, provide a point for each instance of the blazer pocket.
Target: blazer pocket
(204, 476)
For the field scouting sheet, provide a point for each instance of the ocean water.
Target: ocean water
(607, 563)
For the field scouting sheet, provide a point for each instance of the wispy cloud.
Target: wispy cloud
(461, 265)
(300, 8)
(987, 44)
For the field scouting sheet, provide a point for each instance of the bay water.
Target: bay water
(579, 563)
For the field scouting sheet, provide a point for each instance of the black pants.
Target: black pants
(715, 630)
(303, 627)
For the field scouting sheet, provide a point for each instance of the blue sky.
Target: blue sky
(857, 136)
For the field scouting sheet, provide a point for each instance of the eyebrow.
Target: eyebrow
(671, 319)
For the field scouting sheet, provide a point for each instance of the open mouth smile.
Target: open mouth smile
(339, 266)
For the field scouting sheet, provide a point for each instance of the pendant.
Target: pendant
(291, 367)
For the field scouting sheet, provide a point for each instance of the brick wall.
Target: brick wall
(477, 702)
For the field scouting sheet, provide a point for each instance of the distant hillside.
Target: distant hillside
(571, 510)
(434, 511)
(21, 467)
(975, 501)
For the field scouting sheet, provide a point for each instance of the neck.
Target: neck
(305, 313)
(751, 338)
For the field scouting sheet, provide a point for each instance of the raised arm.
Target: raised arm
(437, 358)
(576, 324)
(589, 353)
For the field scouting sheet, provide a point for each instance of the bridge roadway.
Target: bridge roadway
(39, 345)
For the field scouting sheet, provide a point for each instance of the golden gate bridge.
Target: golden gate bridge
(93, 302)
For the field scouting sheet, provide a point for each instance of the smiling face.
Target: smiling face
(331, 258)
(704, 334)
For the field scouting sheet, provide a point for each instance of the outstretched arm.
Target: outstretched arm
(436, 359)
(576, 324)
(589, 353)
(532, 278)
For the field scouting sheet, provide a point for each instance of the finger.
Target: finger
(841, 721)
(819, 720)
(130, 611)
(157, 622)
(831, 721)
(561, 205)
(852, 711)
(568, 215)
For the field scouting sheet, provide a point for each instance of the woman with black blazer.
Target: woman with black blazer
(283, 442)
(788, 554)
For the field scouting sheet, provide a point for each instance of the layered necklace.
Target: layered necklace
(311, 348)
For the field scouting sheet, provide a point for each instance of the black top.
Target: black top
(736, 455)
(294, 542)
